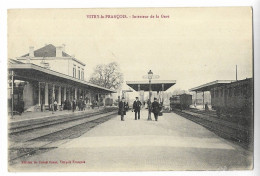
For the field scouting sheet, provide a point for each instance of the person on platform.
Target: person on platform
(206, 107)
(55, 105)
(122, 109)
(80, 103)
(20, 107)
(68, 105)
(74, 103)
(155, 109)
(137, 107)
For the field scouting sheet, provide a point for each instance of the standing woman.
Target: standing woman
(155, 109)
(122, 109)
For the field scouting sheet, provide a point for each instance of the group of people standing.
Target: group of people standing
(80, 104)
(154, 107)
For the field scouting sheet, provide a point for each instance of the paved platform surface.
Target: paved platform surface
(172, 143)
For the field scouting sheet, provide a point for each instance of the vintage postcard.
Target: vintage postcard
(130, 89)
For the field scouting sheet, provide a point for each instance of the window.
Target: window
(78, 72)
(74, 71)
(82, 74)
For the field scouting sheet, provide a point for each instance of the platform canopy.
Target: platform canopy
(210, 85)
(156, 85)
(34, 72)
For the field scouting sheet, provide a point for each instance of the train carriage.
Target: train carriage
(182, 101)
(233, 98)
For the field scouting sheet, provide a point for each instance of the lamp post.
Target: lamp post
(150, 76)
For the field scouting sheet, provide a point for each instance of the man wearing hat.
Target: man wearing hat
(122, 109)
(137, 107)
(155, 109)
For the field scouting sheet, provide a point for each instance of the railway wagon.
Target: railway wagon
(182, 101)
(233, 98)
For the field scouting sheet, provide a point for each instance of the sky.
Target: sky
(193, 46)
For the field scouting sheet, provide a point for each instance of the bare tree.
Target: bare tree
(108, 76)
(179, 91)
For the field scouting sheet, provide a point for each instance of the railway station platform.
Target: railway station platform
(173, 143)
(38, 115)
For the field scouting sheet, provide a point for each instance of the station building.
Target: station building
(47, 74)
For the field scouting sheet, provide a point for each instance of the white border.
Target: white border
(11, 4)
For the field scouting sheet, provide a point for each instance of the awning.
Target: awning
(210, 85)
(34, 72)
(156, 85)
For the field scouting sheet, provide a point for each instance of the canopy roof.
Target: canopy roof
(156, 85)
(34, 72)
(210, 85)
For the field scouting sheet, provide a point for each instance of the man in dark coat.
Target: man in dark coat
(137, 106)
(80, 104)
(20, 107)
(122, 109)
(74, 104)
(155, 109)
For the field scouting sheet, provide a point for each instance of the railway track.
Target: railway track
(239, 120)
(238, 134)
(25, 141)
(15, 128)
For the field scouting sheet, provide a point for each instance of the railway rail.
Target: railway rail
(243, 136)
(27, 140)
(238, 119)
(15, 128)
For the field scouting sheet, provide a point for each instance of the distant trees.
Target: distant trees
(179, 91)
(107, 75)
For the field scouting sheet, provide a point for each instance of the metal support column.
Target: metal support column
(158, 96)
(76, 93)
(203, 101)
(150, 102)
(139, 95)
(46, 94)
(39, 94)
(59, 96)
(196, 100)
(69, 95)
(162, 93)
(12, 94)
(65, 93)
(52, 100)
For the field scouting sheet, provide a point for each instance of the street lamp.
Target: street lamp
(150, 76)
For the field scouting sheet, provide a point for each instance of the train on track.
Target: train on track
(182, 101)
(234, 98)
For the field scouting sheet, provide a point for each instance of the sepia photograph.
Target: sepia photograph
(130, 89)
